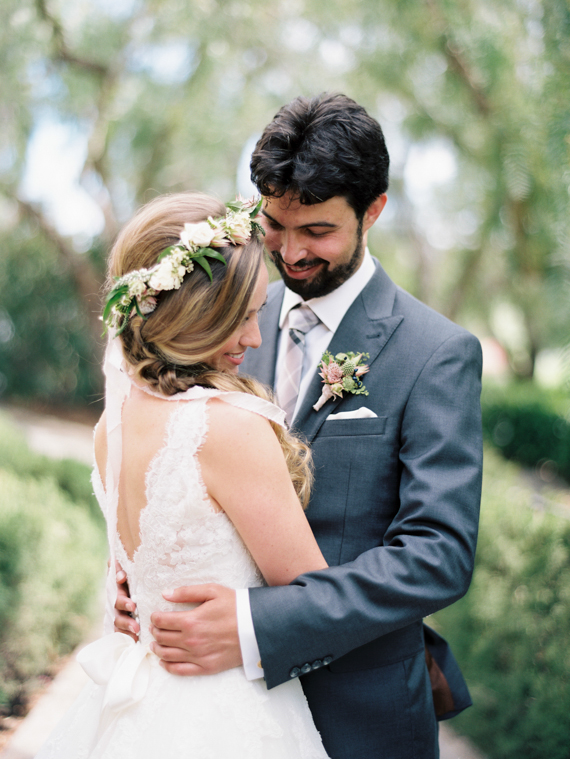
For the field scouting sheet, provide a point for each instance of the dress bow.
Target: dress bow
(120, 664)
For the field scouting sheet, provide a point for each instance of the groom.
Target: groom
(397, 472)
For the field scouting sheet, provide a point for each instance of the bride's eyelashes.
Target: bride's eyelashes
(247, 317)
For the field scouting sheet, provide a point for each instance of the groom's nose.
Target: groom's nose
(292, 249)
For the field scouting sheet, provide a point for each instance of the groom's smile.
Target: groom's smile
(315, 247)
(302, 269)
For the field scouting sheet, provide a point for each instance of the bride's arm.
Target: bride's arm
(244, 471)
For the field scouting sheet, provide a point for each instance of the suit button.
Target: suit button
(295, 672)
(305, 668)
(316, 664)
(327, 660)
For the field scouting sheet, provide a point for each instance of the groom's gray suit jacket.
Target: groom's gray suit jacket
(395, 511)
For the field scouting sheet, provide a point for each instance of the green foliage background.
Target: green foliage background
(164, 96)
(52, 561)
(49, 356)
(530, 425)
(510, 632)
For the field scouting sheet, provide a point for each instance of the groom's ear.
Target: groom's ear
(373, 211)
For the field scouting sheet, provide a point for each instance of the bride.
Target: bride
(199, 482)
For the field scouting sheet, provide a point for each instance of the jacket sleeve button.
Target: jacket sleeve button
(295, 672)
(316, 664)
(306, 668)
(327, 660)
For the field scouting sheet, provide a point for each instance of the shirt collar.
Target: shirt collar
(332, 308)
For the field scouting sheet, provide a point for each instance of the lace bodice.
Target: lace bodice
(131, 707)
(183, 540)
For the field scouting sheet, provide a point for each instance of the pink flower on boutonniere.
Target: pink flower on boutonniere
(341, 374)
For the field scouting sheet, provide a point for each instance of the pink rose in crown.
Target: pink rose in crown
(147, 304)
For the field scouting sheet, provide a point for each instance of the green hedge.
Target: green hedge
(52, 564)
(529, 425)
(72, 477)
(511, 631)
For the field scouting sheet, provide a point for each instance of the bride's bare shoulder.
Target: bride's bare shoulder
(228, 420)
(236, 431)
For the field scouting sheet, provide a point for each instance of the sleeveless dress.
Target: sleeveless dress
(134, 709)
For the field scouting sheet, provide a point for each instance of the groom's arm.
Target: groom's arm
(424, 563)
(426, 559)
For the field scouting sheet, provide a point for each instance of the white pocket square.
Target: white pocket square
(360, 413)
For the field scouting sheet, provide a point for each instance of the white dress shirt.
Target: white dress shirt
(331, 310)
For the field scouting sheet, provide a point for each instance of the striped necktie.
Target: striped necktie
(301, 321)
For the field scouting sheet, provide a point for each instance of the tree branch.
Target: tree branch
(459, 65)
(457, 62)
(97, 152)
(455, 300)
(62, 52)
(97, 147)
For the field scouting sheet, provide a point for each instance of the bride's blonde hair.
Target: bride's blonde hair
(170, 350)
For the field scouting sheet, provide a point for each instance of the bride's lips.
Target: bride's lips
(235, 358)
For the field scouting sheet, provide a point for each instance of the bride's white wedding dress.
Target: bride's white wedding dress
(134, 709)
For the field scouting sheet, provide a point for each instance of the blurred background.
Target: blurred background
(106, 103)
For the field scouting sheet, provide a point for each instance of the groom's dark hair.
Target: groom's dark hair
(321, 147)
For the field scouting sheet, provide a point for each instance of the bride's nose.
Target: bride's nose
(251, 337)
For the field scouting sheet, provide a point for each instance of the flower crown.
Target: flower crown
(137, 290)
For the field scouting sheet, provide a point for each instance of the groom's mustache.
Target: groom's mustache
(304, 263)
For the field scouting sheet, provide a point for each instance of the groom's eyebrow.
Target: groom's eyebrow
(301, 226)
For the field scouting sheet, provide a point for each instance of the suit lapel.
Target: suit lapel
(367, 327)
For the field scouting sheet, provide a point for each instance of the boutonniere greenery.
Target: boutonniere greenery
(341, 374)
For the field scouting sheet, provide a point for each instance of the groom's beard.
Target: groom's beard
(325, 281)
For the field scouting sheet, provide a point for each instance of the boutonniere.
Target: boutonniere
(341, 374)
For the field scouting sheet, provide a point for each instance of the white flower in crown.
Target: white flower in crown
(136, 290)
(177, 256)
(168, 275)
(138, 287)
(197, 235)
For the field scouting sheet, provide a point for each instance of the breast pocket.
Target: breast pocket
(353, 427)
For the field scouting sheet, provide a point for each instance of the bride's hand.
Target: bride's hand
(200, 641)
(124, 606)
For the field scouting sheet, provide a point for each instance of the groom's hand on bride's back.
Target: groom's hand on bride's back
(199, 641)
(124, 606)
